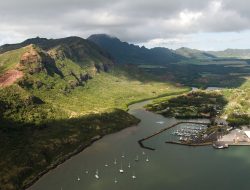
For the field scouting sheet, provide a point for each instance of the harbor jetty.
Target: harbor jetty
(190, 144)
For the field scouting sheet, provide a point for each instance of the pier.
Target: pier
(189, 144)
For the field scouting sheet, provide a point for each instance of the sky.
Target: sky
(198, 24)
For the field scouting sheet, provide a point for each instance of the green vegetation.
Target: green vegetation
(194, 54)
(232, 53)
(201, 76)
(27, 151)
(125, 53)
(10, 59)
(237, 110)
(71, 93)
(196, 104)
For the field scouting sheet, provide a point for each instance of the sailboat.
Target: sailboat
(123, 156)
(137, 158)
(96, 174)
(147, 160)
(129, 165)
(121, 170)
(133, 176)
(115, 162)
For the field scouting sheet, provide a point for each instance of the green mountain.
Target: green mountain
(194, 54)
(56, 97)
(228, 53)
(232, 53)
(125, 53)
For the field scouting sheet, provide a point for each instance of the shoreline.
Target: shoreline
(61, 161)
(82, 147)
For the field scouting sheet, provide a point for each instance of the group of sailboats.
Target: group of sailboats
(121, 169)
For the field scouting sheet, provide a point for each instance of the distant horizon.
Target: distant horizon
(147, 45)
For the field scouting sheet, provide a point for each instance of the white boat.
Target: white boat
(220, 146)
(78, 179)
(160, 122)
(115, 162)
(121, 170)
(147, 160)
(143, 153)
(116, 180)
(106, 165)
(123, 156)
(129, 165)
(97, 174)
(133, 176)
(86, 172)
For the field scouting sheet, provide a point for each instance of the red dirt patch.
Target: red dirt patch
(10, 77)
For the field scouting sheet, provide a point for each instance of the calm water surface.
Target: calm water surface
(170, 167)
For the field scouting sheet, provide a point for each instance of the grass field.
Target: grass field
(10, 59)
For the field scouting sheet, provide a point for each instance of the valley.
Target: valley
(58, 96)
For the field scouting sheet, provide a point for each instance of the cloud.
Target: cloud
(138, 21)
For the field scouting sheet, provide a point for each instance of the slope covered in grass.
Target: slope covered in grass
(10, 59)
(238, 109)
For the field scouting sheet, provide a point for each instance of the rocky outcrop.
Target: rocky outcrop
(35, 60)
(32, 61)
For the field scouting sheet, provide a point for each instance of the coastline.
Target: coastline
(62, 160)
(82, 147)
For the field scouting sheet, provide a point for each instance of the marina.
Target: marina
(185, 133)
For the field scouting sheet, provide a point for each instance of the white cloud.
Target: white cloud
(150, 22)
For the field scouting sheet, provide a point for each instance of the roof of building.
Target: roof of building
(247, 133)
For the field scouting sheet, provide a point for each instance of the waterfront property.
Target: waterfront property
(236, 137)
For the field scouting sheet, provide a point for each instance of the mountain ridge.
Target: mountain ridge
(125, 53)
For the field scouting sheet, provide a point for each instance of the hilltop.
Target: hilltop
(194, 54)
